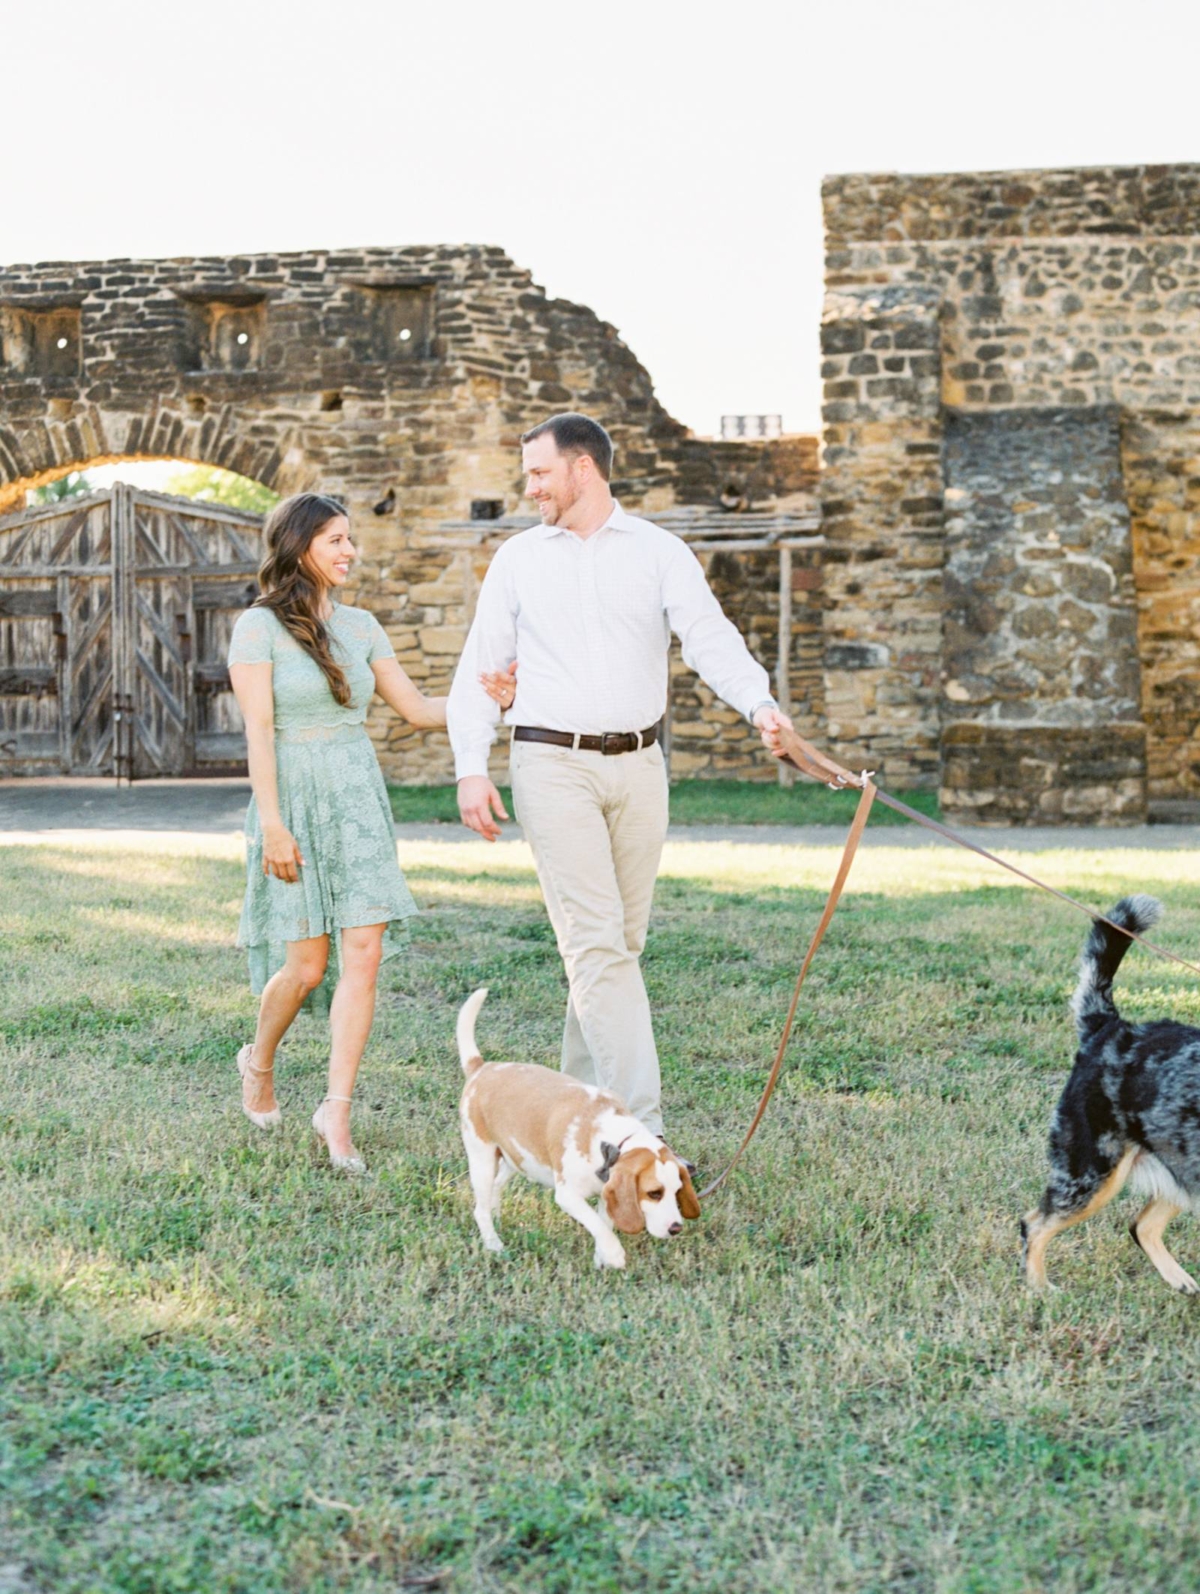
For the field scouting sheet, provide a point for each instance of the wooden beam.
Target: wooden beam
(783, 663)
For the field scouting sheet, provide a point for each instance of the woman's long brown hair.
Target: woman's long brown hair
(290, 591)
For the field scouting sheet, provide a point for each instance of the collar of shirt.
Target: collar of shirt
(617, 521)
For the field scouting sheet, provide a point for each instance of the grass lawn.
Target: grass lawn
(699, 802)
(223, 1368)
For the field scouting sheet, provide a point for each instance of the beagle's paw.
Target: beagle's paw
(613, 1256)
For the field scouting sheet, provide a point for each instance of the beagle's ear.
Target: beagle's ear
(621, 1200)
(689, 1201)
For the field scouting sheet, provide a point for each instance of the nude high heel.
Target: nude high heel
(261, 1120)
(350, 1164)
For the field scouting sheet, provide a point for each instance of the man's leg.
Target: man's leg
(576, 1059)
(637, 825)
(561, 797)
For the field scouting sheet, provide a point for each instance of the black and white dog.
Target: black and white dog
(1130, 1110)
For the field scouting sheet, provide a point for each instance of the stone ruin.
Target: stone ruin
(400, 381)
(1001, 596)
(1011, 488)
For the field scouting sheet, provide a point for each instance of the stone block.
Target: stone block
(1028, 774)
(442, 639)
(687, 763)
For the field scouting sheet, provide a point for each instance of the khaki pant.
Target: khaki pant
(596, 826)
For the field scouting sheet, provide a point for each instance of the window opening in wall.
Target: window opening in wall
(397, 318)
(224, 328)
(41, 338)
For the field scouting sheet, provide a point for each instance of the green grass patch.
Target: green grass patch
(698, 802)
(224, 1369)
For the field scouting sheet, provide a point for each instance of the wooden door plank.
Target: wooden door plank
(66, 682)
(160, 688)
(154, 622)
(66, 536)
(144, 738)
(16, 603)
(200, 554)
(122, 646)
(31, 517)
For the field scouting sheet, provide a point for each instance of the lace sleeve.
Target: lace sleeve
(253, 635)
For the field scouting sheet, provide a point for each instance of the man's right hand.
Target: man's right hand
(478, 800)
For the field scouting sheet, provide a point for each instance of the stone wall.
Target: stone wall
(1161, 458)
(408, 369)
(1040, 619)
(1040, 628)
(399, 380)
(881, 508)
(1073, 290)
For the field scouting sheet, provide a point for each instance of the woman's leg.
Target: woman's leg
(350, 1017)
(282, 997)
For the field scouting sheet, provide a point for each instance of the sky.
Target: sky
(658, 161)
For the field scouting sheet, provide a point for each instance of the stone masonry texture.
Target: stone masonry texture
(399, 380)
(1006, 602)
(1011, 484)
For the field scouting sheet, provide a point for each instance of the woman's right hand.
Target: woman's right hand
(501, 685)
(281, 854)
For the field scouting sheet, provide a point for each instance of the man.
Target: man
(586, 603)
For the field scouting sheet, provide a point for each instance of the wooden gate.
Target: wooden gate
(115, 616)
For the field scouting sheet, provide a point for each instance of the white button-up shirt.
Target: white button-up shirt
(589, 621)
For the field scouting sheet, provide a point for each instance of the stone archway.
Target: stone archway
(60, 444)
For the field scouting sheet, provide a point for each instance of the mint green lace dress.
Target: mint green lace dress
(331, 797)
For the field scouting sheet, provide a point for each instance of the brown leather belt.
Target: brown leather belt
(609, 742)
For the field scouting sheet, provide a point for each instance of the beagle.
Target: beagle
(574, 1138)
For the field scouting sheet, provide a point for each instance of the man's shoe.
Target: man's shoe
(690, 1166)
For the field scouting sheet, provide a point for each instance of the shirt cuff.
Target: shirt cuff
(763, 702)
(471, 760)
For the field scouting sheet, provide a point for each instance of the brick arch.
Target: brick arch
(54, 446)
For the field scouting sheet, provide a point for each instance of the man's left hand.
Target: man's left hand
(770, 722)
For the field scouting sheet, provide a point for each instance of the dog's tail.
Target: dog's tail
(468, 1052)
(1092, 1003)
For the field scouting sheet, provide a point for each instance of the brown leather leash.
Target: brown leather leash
(815, 764)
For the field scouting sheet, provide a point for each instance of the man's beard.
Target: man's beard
(558, 508)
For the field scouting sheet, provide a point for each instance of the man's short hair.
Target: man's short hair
(577, 434)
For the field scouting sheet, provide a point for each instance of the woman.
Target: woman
(321, 852)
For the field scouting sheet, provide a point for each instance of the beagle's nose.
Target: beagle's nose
(676, 1228)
